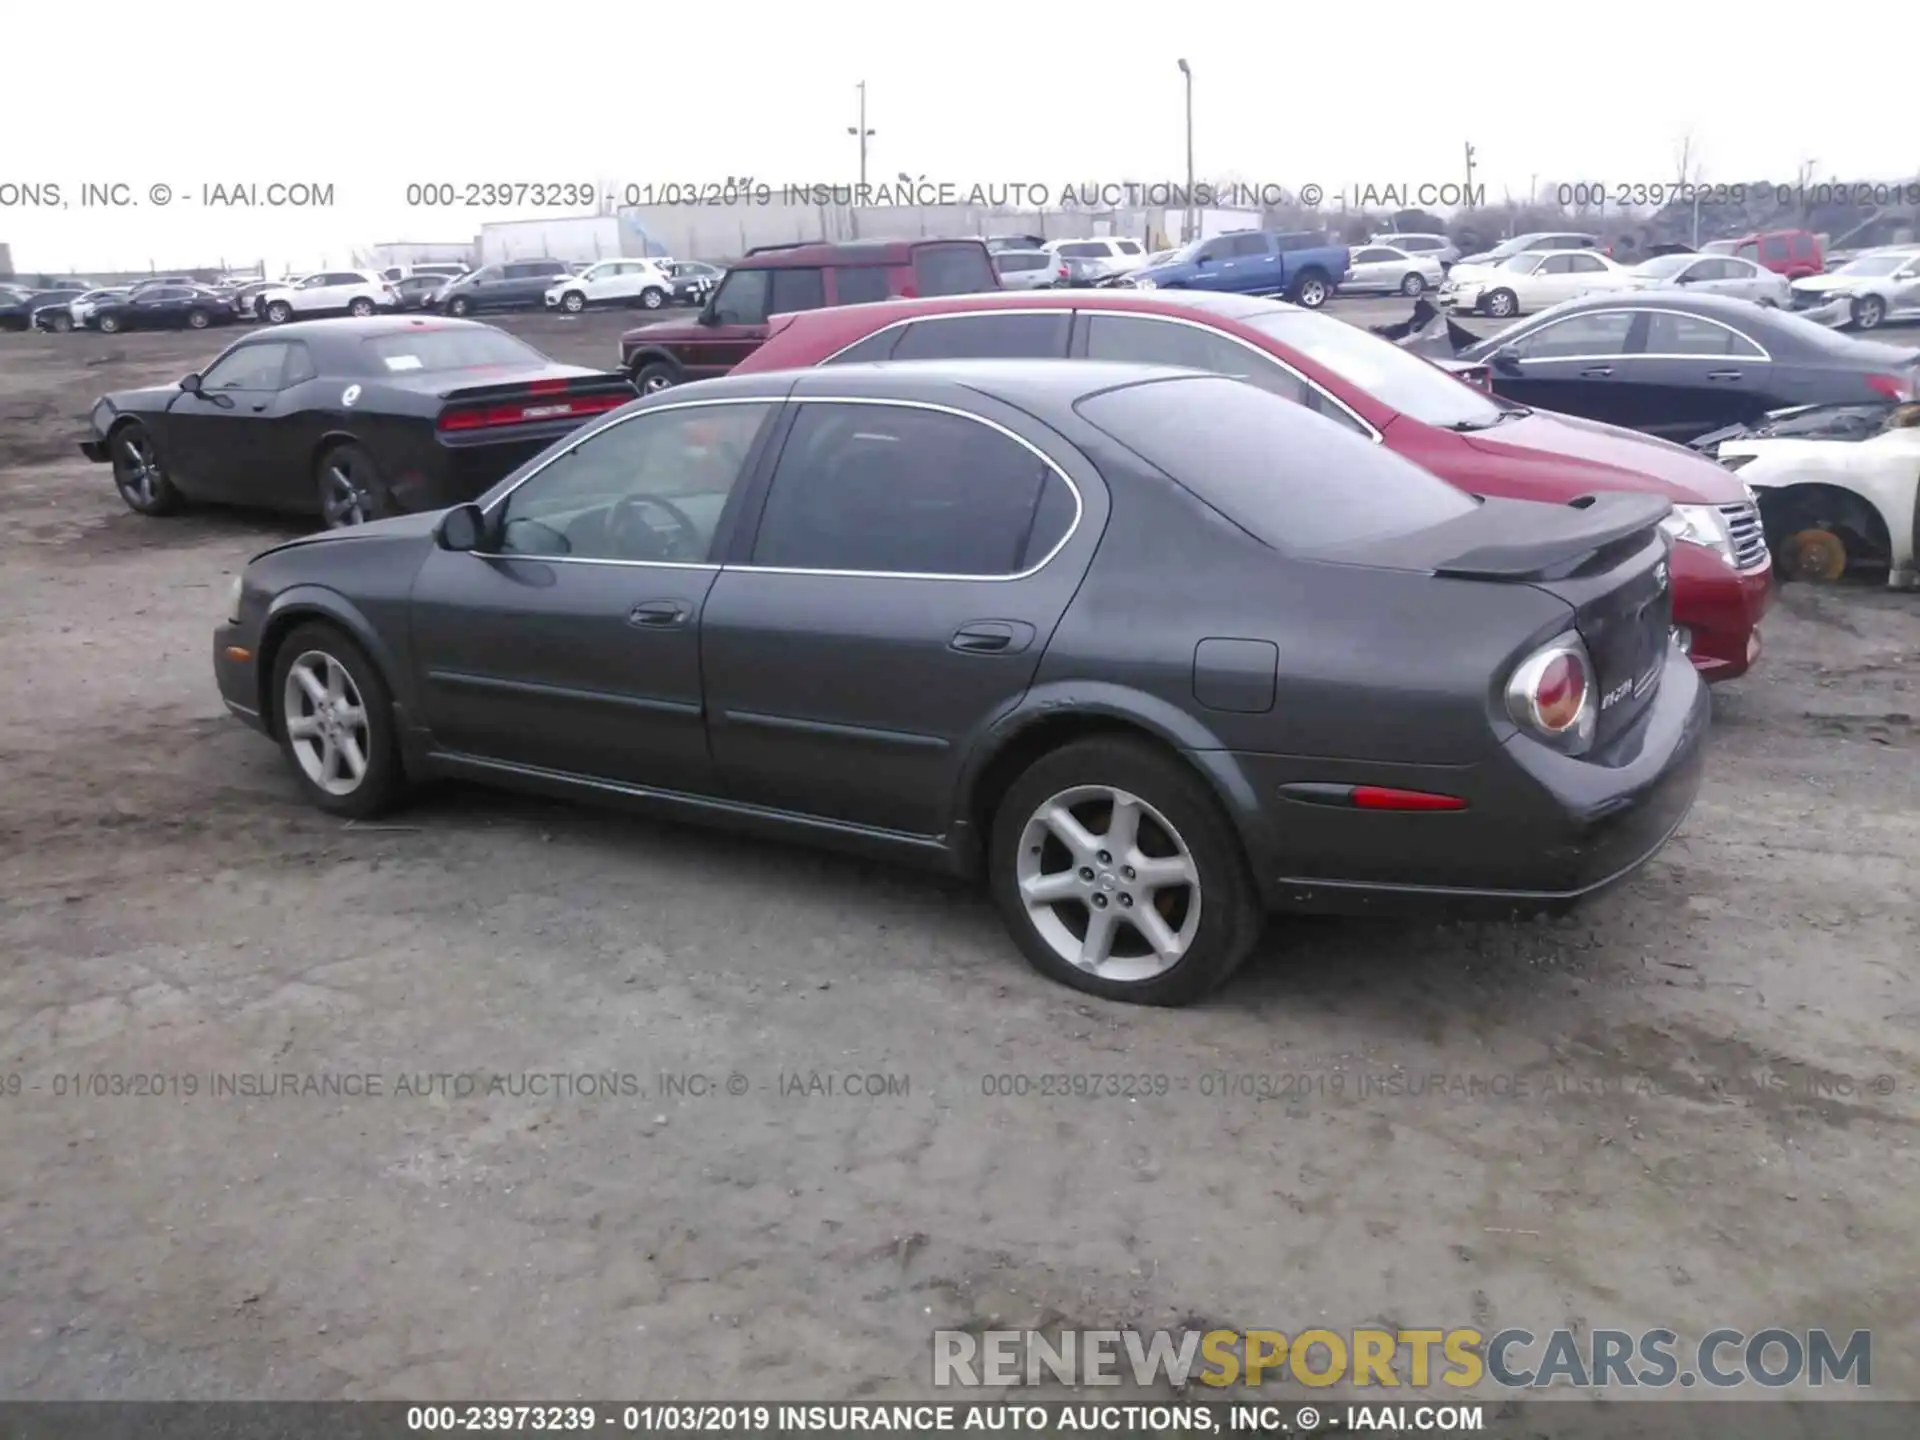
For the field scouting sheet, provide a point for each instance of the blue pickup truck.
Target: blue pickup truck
(1299, 265)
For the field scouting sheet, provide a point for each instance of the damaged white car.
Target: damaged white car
(1838, 487)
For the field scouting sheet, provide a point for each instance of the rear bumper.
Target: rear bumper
(1722, 607)
(1541, 831)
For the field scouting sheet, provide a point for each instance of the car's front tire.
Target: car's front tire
(334, 719)
(1118, 873)
(138, 473)
(459, 305)
(279, 312)
(655, 376)
(652, 298)
(61, 324)
(573, 302)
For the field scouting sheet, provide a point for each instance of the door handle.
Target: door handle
(659, 614)
(1723, 375)
(992, 637)
(1597, 372)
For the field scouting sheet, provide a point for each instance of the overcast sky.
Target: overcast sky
(368, 99)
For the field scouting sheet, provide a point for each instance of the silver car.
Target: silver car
(1439, 247)
(1026, 269)
(1714, 275)
(1385, 269)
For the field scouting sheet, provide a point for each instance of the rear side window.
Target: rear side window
(953, 270)
(900, 490)
(796, 290)
(1774, 247)
(1669, 333)
(860, 284)
(1290, 479)
(1748, 251)
(878, 346)
(987, 337)
(1249, 245)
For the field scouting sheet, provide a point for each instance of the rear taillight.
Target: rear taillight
(1551, 695)
(1896, 388)
(530, 412)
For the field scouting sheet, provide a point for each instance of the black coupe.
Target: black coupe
(347, 419)
(1156, 651)
(1680, 366)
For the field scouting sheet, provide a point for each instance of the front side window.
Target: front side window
(742, 298)
(1240, 245)
(1601, 333)
(251, 367)
(651, 488)
(895, 489)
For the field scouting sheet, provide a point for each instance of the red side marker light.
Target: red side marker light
(1381, 797)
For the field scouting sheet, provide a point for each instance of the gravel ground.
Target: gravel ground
(1693, 1105)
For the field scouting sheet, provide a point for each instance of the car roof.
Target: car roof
(371, 327)
(1046, 389)
(858, 252)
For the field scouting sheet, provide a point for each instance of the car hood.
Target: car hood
(417, 526)
(1827, 284)
(670, 331)
(1618, 459)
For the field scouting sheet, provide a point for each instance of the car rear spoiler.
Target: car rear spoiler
(1535, 542)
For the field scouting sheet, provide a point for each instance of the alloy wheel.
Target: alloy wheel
(343, 495)
(573, 302)
(326, 723)
(141, 480)
(1108, 883)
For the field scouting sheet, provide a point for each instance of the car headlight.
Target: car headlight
(233, 599)
(1700, 525)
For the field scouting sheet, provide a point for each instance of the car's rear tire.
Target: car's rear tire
(459, 305)
(109, 324)
(1414, 284)
(279, 312)
(1501, 304)
(198, 319)
(655, 376)
(360, 308)
(1075, 879)
(351, 489)
(1312, 290)
(652, 298)
(1868, 312)
(138, 473)
(573, 302)
(333, 716)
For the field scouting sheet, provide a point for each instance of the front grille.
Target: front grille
(1749, 535)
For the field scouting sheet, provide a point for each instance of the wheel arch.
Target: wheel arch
(646, 354)
(1051, 717)
(300, 605)
(1787, 509)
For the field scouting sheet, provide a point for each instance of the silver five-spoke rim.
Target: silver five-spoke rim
(1109, 884)
(142, 479)
(326, 723)
(343, 499)
(654, 383)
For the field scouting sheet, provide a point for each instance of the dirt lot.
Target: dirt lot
(1693, 1106)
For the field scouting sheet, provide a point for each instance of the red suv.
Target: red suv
(1722, 577)
(780, 279)
(1795, 254)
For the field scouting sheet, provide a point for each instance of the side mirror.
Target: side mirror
(708, 315)
(1203, 259)
(190, 383)
(1505, 359)
(462, 529)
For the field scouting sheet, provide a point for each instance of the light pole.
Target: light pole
(863, 132)
(1187, 224)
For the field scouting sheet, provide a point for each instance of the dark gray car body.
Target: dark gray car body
(858, 710)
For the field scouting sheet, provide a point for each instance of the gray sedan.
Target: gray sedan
(1385, 269)
(1713, 275)
(1152, 651)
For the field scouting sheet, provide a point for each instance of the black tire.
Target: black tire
(198, 319)
(1414, 283)
(384, 779)
(1312, 290)
(1868, 312)
(131, 447)
(1501, 304)
(1230, 916)
(573, 302)
(459, 305)
(652, 298)
(61, 323)
(108, 324)
(361, 307)
(655, 376)
(279, 312)
(350, 487)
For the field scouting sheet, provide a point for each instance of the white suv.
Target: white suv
(1114, 254)
(612, 282)
(331, 292)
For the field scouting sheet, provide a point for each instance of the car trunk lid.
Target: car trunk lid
(486, 403)
(1601, 555)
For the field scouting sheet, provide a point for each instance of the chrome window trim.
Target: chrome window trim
(1079, 504)
(1270, 358)
(1764, 355)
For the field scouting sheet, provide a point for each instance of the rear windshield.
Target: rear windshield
(953, 270)
(1389, 374)
(1291, 479)
(428, 348)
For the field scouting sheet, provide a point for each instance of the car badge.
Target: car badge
(353, 393)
